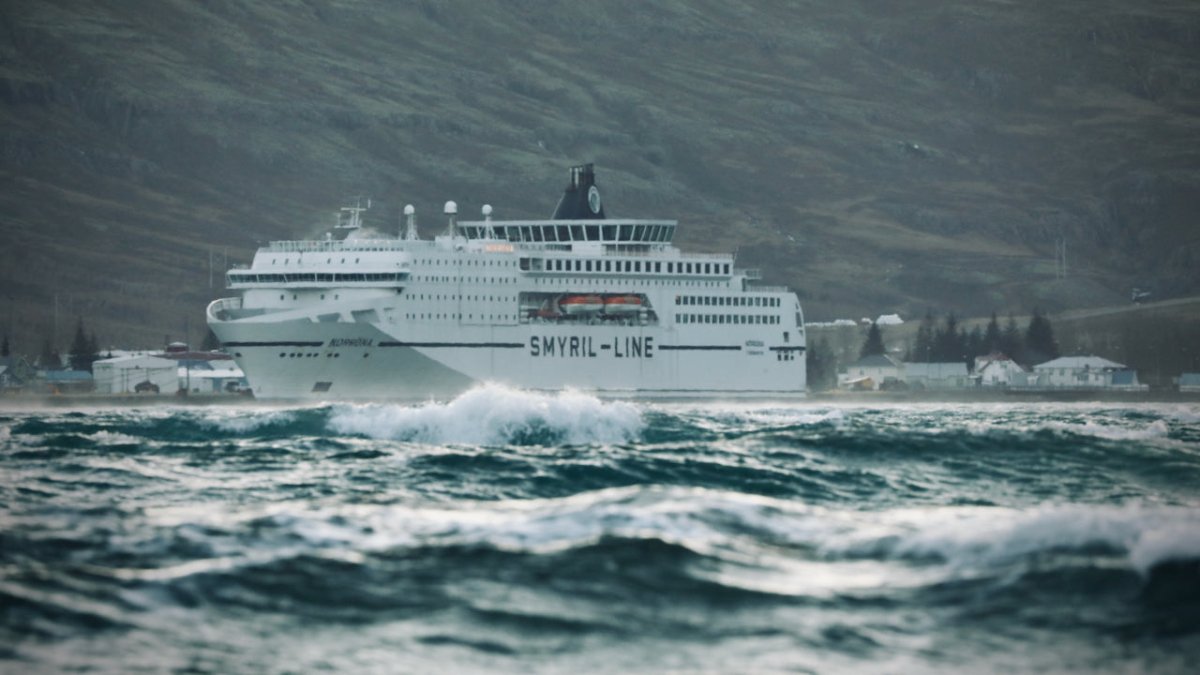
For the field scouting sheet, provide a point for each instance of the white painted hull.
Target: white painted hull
(302, 359)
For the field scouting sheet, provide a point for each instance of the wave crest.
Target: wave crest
(496, 415)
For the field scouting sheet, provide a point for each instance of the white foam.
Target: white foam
(1113, 432)
(765, 544)
(973, 537)
(739, 417)
(243, 422)
(1167, 543)
(492, 415)
(113, 438)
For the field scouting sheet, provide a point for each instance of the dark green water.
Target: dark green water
(510, 532)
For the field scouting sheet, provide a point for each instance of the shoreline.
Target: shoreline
(28, 401)
(1006, 396)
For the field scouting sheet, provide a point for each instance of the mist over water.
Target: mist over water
(513, 532)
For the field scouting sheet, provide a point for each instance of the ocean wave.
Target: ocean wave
(1112, 432)
(244, 422)
(495, 415)
(973, 537)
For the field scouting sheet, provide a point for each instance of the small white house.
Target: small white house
(869, 372)
(1189, 382)
(997, 370)
(210, 380)
(1085, 372)
(951, 375)
(137, 373)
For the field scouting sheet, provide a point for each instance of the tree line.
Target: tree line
(950, 342)
(946, 342)
(85, 351)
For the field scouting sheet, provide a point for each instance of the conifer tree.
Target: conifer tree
(210, 343)
(822, 366)
(1040, 344)
(1010, 341)
(84, 350)
(49, 358)
(922, 351)
(991, 337)
(975, 346)
(873, 346)
(947, 345)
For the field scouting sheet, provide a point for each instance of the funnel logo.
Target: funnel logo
(594, 199)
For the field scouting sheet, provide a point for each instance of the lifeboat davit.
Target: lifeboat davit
(581, 304)
(622, 304)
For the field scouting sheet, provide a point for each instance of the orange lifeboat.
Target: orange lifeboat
(622, 304)
(581, 304)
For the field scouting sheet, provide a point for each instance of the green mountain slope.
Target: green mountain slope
(874, 157)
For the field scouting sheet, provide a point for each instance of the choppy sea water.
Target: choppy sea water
(513, 532)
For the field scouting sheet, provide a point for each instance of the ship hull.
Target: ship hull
(303, 359)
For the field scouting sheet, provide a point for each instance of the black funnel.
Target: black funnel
(581, 200)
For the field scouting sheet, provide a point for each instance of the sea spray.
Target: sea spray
(495, 415)
(507, 531)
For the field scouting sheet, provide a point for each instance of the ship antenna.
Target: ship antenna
(451, 210)
(355, 213)
(487, 218)
(410, 215)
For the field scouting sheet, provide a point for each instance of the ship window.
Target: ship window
(658, 267)
(637, 266)
(593, 233)
(638, 232)
(607, 265)
(610, 232)
(626, 232)
(576, 233)
(689, 268)
(537, 234)
(564, 233)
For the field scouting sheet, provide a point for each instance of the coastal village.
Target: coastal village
(887, 356)
(176, 371)
(883, 356)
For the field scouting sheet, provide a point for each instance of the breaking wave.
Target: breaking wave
(495, 415)
(512, 531)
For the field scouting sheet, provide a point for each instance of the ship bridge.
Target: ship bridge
(567, 231)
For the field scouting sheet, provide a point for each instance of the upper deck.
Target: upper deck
(614, 231)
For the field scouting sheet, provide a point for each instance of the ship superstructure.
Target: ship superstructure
(578, 301)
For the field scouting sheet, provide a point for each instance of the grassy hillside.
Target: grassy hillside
(874, 157)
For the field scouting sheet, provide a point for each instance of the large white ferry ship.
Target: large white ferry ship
(578, 301)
